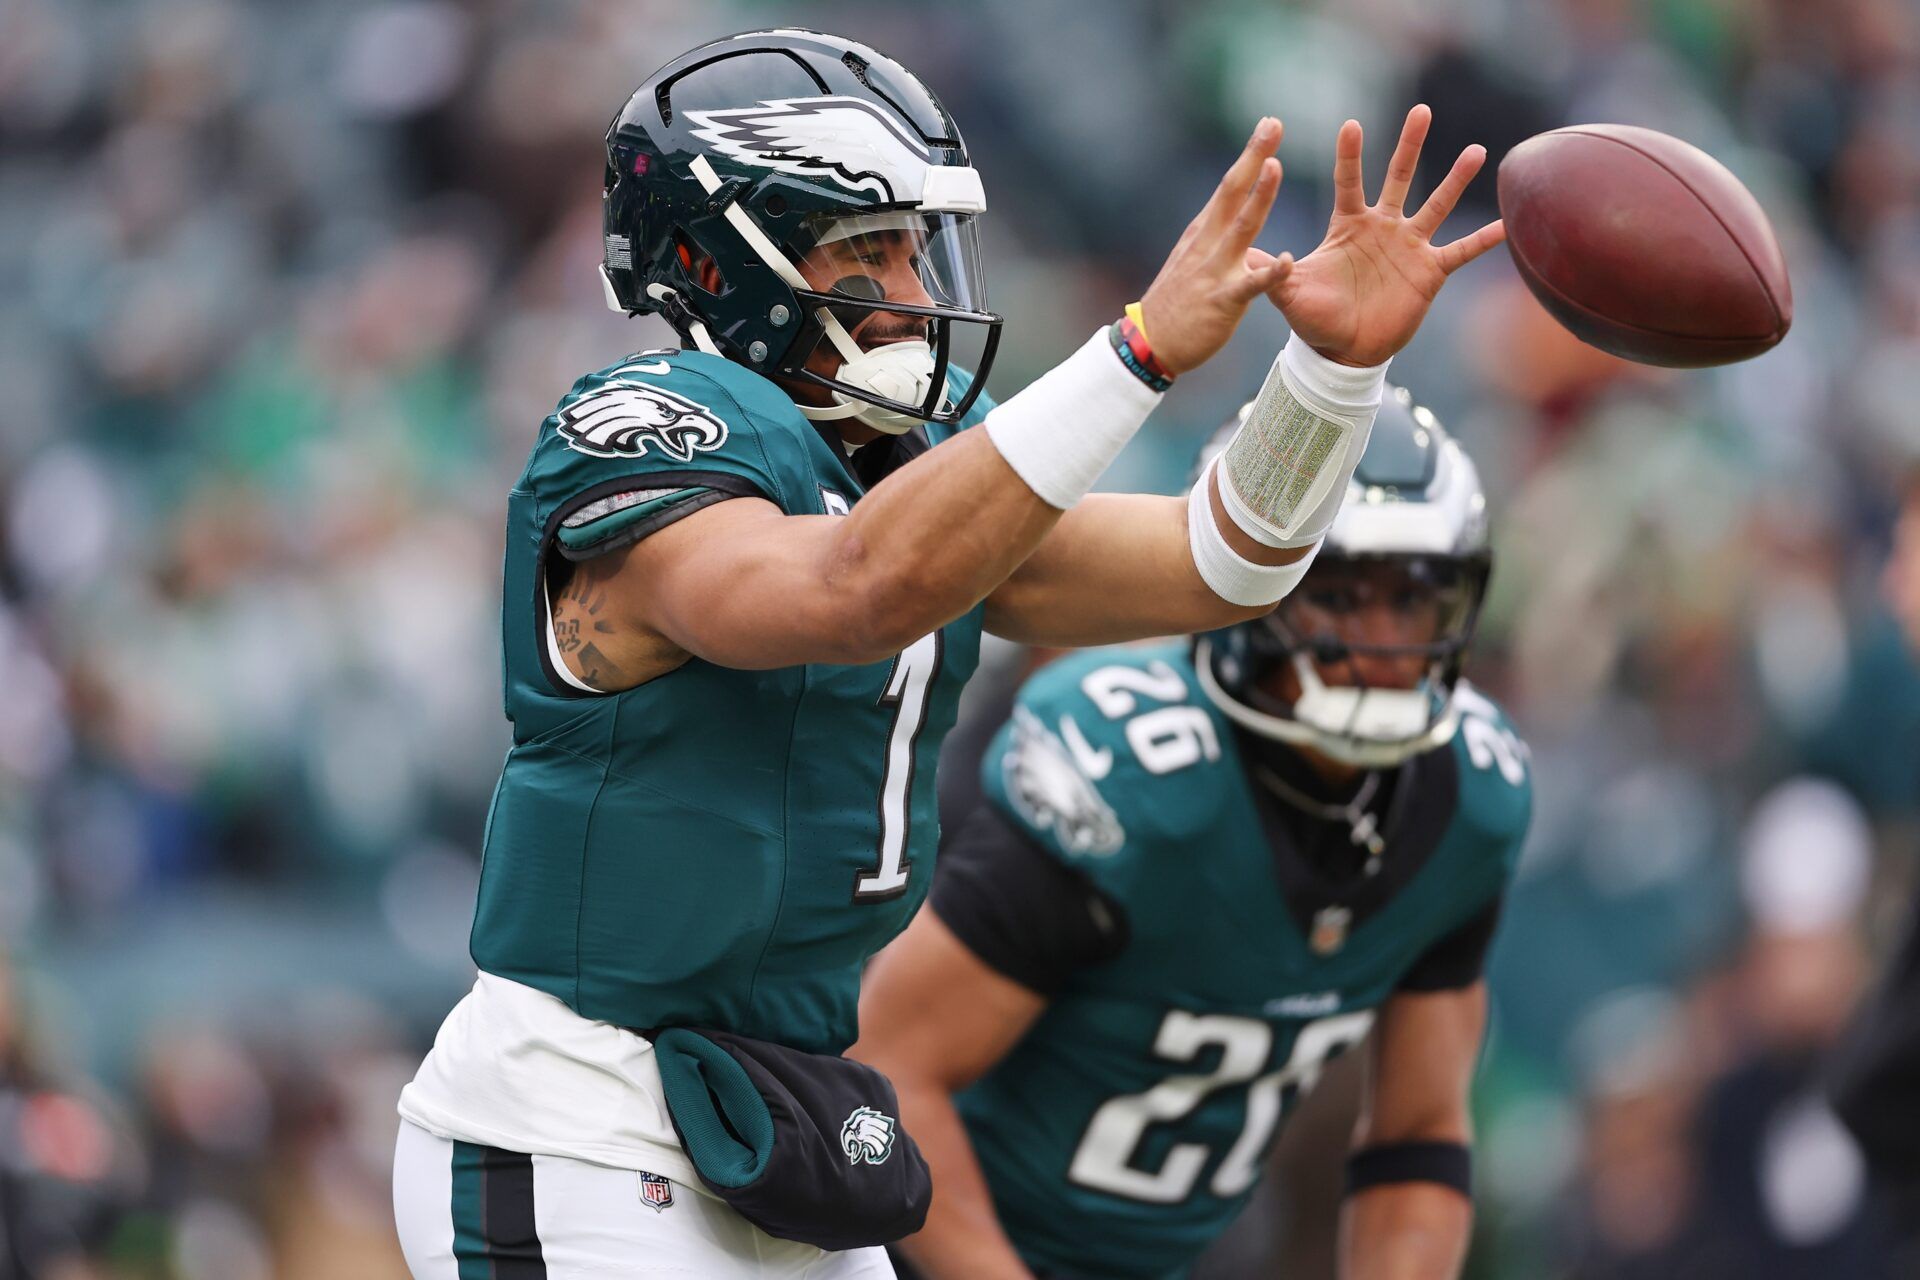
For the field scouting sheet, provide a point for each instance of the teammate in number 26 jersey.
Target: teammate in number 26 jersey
(1194, 914)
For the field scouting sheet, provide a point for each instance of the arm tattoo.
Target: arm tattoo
(595, 669)
(577, 611)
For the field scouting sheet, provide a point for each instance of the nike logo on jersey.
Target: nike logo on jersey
(657, 366)
(626, 420)
(1317, 1005)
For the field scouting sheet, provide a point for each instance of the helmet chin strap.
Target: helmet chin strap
(891, 371)
(698, 331)
(1367, 728)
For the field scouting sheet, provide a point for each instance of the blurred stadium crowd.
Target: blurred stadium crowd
(285, 287)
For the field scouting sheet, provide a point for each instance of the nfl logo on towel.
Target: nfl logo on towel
(655, 1192)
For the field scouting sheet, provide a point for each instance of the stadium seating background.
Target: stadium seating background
(285, 288)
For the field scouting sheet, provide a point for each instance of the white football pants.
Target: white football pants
(468, 1212)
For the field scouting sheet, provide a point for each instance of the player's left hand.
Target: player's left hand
(1362, 294)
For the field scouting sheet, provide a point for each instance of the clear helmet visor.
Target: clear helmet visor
(921, 259)
(1361, 661)
(1387, 618)
(896, 306)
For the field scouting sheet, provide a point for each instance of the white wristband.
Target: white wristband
(1230, 575)
(1285, 472)
(1067, 427)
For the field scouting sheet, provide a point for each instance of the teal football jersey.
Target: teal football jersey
(1127, 1128)
(716, 847)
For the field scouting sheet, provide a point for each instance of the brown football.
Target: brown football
(1644, 246)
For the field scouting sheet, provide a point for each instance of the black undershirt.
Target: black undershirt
(877, 459)
(1316, 859)
(1020, 909)
(1036, 920)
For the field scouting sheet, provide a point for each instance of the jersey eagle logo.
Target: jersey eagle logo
(846, 140)
(622, 420)
(1051, 792)
(867, 1136)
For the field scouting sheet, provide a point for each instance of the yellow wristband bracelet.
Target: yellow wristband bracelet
(1134, 314)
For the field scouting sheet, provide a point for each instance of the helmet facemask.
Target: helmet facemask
(887, 291)
(756, 152)
(1361, 661)
(848, 271)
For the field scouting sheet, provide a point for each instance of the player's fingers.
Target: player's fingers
(1254, 209)
(1264, 274)
(1434, 212)
(1406, 158)
(1348, 195)
(1464, 250)
(1244, 172)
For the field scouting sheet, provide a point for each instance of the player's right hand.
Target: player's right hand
(1196, 302)
(1362, 294)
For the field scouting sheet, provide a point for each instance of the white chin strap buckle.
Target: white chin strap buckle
(900, 371)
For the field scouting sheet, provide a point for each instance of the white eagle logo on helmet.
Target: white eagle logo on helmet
(848, 140)
(867, 1136)
(1051, 792)
(621, 420)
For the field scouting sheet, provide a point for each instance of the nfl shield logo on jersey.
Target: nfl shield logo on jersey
(1330, 930)
(655, 1191)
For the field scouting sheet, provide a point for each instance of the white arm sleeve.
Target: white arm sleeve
(1231, 576)
(1285, 472)
(1067, 427)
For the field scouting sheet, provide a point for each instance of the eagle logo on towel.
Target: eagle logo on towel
(867, 1136)
(625, 420)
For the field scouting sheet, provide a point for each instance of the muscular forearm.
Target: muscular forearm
(931, 541)
(1405, 1231)
(943, 532)
(1118, 567)
(963, 1239)
(742, 585)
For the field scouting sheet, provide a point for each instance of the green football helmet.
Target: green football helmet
(743, 162)
(1398, 582)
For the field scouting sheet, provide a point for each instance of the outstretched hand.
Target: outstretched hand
(1362, 294)
(1196, 302)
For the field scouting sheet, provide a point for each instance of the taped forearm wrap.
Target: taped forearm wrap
(1285, 472)
(1230, 575)
(1065, 429)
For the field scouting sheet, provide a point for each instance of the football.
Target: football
(1644, 246)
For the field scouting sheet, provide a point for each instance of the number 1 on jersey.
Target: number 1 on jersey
(909, 685)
